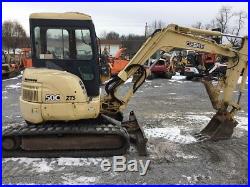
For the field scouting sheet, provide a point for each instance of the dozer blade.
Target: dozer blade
(220, 127)
(136, 134)
(135, 131)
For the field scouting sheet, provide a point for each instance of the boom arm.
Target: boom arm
(176, 37)
(172, 37)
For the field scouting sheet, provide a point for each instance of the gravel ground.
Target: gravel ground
(170, 112)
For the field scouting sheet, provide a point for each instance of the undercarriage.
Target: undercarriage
(98, 138)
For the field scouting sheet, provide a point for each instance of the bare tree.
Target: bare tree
(240, 19)
(103, 34)
(210, 25)
(228, 21)
(6, 34)
(157, 24)
(223, 18)
(112, 36)
(13, 35)
(132, 43)
(197, 25)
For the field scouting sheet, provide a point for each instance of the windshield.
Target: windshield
(63, 43)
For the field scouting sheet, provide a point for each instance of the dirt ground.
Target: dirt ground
(170, 112)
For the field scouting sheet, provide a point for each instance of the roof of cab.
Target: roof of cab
(66, 15)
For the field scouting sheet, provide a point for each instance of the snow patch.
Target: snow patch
(182, 155)
(13, 86)
(73, 179)
(198, 118)
(170, 133)
(165, 115)
(39, 165)
(78, 161)
(175, 81)
(196, 178)
(243, 123)
(171, 93)
(178, 77)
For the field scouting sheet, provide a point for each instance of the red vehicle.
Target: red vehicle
(199, 63)
(162, 68)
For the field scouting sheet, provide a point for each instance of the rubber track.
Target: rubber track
(69, 129)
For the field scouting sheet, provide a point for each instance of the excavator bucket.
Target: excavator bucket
(220, 127)
(136, 134)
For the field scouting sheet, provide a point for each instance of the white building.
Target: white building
(112, 46)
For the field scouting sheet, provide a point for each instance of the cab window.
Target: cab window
(57, 43)
(83, 44)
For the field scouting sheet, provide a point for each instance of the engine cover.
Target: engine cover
(53, 95)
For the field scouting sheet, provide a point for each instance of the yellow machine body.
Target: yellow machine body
(49, 95)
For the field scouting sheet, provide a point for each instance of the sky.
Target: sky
(121, 17)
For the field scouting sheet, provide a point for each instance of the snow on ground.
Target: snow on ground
(78, 161)
(185, 156)
(178, 81)
(170, 133)
(191, 116)
(195, 178)
(165, 115)
(198, 118)
(73, 179)
(14, 86)
(39, 165)
(175, 134)
(243, 123)
(178, 78)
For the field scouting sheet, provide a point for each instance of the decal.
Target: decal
(52, 97)
(195, 45)
(70, 98)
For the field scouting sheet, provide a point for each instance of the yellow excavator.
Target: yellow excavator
(67, 116)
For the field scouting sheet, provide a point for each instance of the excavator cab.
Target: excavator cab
(66, 42)
(60, 99)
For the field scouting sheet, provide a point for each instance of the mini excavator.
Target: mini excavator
(67, 116)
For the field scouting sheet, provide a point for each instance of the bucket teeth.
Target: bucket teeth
(220, 127)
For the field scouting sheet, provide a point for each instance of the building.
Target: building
(112, 46)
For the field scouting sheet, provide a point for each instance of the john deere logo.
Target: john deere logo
(195, 45)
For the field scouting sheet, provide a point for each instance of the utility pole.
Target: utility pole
(146, 30)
